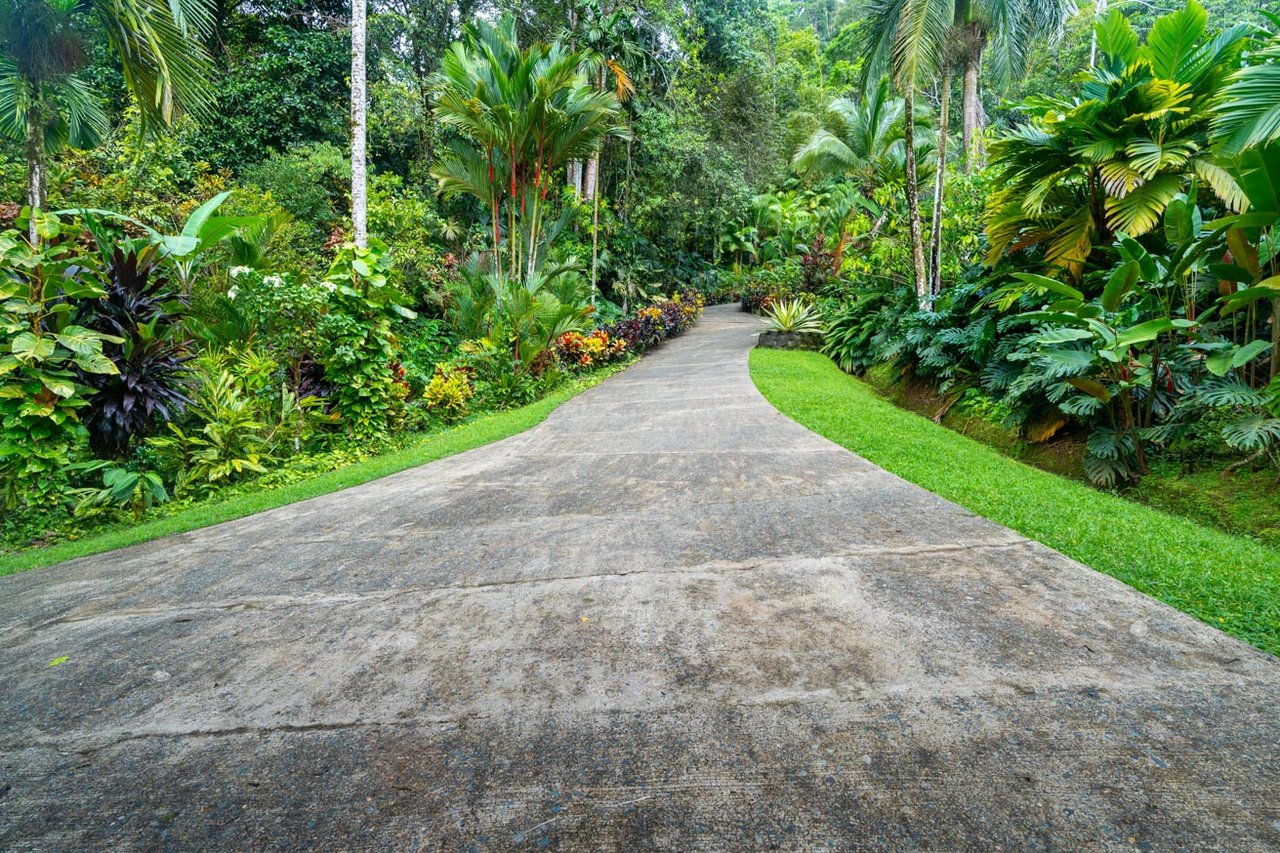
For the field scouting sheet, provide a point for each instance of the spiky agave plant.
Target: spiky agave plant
(793, 315)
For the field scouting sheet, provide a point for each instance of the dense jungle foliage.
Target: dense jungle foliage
(1066, 213)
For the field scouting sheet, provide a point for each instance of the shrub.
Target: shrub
(448, 392)
(575, 350)
(763, 285)
(151, 377)
(356, 344)
(310, 181)
(227, 444)
(43, 355)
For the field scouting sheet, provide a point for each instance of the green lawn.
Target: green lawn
(1227, 581)
(433, 446)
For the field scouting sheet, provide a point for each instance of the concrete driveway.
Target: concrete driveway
(667, 618)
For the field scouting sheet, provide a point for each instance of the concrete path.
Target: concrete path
(668, 618)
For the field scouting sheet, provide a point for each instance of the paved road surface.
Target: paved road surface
(667, 618)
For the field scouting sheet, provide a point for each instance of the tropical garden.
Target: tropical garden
(243, 246)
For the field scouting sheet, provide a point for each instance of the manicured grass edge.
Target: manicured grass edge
(432, 446)
(1230, 582)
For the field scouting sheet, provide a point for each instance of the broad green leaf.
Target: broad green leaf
(1121, 280)
(1116, 38)
(1231, 272)
(28, 347)
(81, 288)
(1243, 253)
(1249, 352)
(79, 340)
(1091, 387)
(1219, 363)
(47, 225)
(1069, 357)
(95, 362)
(1065, 335)
(179, 246)
(196, 221)
(1148, 331)
(1243, 298)
(1045, 283)
(1172, 41)
(62, 387)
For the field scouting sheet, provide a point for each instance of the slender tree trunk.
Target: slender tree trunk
(921, 278)
(590, 176)
(36, 181)
(574, 177)
(974, 119)
(595, 233)
(359, 116)
(939, 190)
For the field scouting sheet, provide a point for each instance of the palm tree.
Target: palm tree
(611, 45)
(1246, 125)
(966, 29)
(523, 114)
(1248, 115)
(45, 102)
(359, 117)
(1083, 171)
(861, 140)
(911, 35)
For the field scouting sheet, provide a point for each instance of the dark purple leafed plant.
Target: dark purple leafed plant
(153, 379)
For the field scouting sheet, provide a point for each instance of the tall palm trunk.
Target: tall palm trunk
(592, 176)
(359, 116)
(36, 182)
(574, 177)
(913, 195)
(939, 189)
(971, 107)
(595, 234)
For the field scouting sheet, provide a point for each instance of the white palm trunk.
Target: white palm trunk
(359, 118)
(574, 177)
(590, 176)
(35, 168)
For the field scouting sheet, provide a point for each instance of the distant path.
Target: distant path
(668, 617)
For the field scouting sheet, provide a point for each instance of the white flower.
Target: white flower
(233, 292)
(236, 272)
(329, 286)
(273, 280)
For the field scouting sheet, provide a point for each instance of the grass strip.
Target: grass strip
(1230, 582)
(436, 445)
